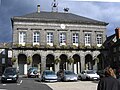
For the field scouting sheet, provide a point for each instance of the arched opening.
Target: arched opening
(50, 62)
(100, 63)
(22, 63)
(77, 64)
(88, 62)
(63, 63)
(36, 61)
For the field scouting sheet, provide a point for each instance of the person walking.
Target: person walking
(109, 82)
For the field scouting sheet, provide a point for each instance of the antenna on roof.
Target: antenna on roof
(54, 6)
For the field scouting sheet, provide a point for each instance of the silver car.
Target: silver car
(67, 75)
(88, 75)
(49, 76)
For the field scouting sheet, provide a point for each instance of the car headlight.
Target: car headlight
(15, 76)
(3, 75)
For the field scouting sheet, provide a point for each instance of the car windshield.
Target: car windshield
(31, 69)
(49, 73)
(10, 70)
(90, 72)
(69, 73)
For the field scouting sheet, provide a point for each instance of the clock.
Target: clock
(62, 26)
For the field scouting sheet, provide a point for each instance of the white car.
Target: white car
(88, 75)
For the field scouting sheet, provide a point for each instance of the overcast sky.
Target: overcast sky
(103, 11)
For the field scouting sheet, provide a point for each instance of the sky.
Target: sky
(108, 12)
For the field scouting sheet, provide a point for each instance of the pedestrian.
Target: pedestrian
(109, 82)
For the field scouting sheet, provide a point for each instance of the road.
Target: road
(25, 84)
(35, 84)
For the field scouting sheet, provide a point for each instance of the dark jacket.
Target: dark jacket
(108, 83)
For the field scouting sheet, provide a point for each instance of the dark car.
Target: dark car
(49, 76)
(33, 72)
(67, 75)
(10, 74)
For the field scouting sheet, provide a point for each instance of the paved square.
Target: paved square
(79, 85)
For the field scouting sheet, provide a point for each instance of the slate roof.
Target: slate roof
(117, 43)
(57, 17)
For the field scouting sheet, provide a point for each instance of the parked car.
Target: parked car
(49, 76)
(33, 72)
(67, 75)
(10, 74)
(88, 75)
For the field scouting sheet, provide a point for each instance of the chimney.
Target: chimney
(38, 8)
(117, 32)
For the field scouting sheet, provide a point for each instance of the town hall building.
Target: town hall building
(57, 40)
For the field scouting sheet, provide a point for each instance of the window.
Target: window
(87, 39)
(99, 38)
(75, 39)
(50, 38)
(36, 37)
(22, 38)
(62, 39)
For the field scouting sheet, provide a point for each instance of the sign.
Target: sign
(9, 54)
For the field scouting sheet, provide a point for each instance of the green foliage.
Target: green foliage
(28, 45)
(29, 60)
(70, 60)
(13, 59)
(47, 46)
(73, 46)
(36, 46)
(57, 60)
(63, 47)
(97, 59)
(82, 46)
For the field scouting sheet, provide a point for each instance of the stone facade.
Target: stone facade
(44, 57)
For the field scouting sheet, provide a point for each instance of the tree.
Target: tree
(29, 60)
(13, 59)
(70, 60)
(57, 60)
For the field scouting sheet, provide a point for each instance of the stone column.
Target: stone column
(56, 38)
(43, 63)
(57, 67)
(95, 66)
(78, 66)
(82, 63)
(81, 37)
(39, 67)
(68, 37)
(43, 38)
(15, 64)
(70, 67)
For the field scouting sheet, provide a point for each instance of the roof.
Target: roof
(117, 43)
(57, 17)
(109, 41)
